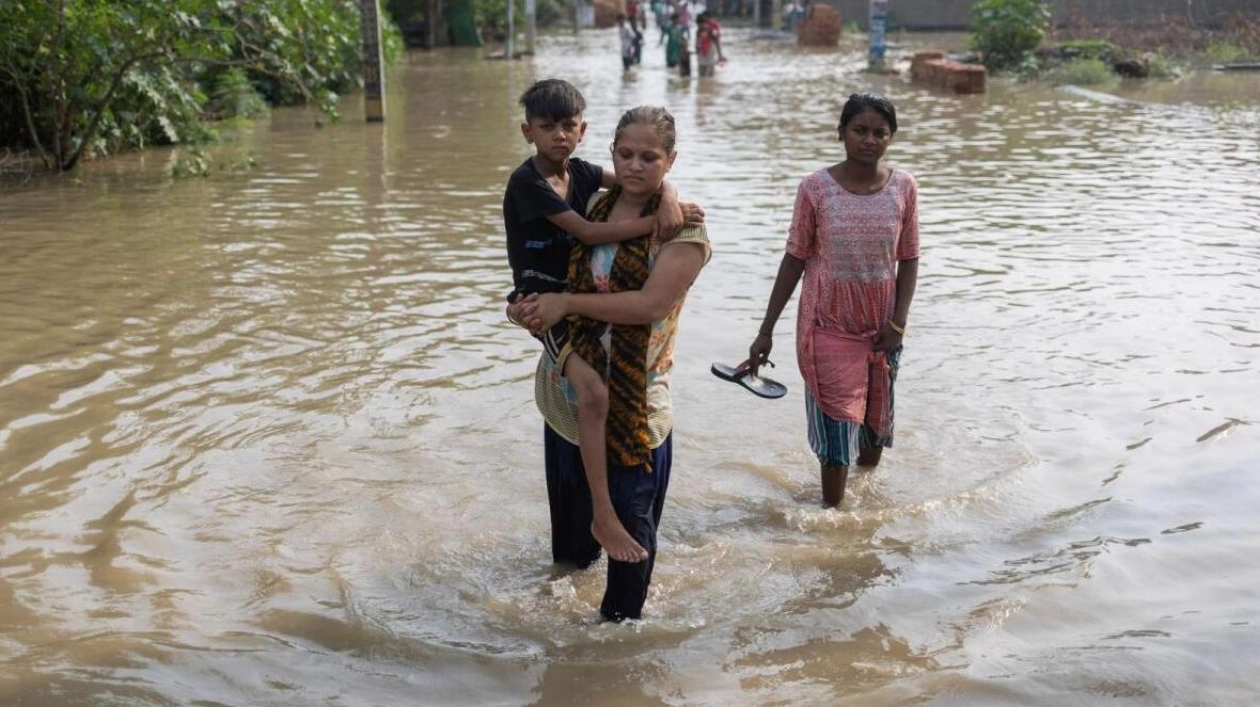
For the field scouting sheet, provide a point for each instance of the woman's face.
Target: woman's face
(866, 137)
(640, 160)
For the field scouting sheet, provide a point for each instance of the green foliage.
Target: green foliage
(1224, 53)
(851, 27)
(1006, 32)
(493, 14)
(1161, 67)
(79, 77)
(1099, 49)
(234, 96)
(1081, 72)
(549, 13)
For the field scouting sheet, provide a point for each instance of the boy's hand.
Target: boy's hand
(669, 215)
(669, 220)
(518, 311)
(692, 214)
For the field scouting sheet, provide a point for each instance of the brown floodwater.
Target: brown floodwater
(266, 438)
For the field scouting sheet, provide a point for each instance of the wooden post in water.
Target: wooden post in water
(373, 71)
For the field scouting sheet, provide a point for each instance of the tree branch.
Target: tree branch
(103, 105)
(26, 112)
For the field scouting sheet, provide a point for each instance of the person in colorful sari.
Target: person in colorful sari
(674, 41)
(854, 241)
(623, 305)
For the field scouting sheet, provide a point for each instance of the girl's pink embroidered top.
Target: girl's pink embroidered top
(850, 244)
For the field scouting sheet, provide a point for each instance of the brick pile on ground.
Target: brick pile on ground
(820, 28)
(933, 68)
(606, 13)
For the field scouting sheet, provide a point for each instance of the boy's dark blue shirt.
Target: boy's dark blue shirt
(538, 250)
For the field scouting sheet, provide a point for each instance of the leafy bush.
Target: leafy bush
(1081, 72)
(1089, 49)
(1005, 32)
(79, 77)
(1160, 67)
(549, 13)
(235, 97)
(1224, 53)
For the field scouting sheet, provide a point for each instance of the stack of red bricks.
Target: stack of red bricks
(935, 69)
(820, 28)
(606, 12)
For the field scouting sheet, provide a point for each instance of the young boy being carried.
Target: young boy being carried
(542, 209)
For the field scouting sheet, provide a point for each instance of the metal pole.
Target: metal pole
(879, 42)
(531, 25)
(577, 16)
(511, 29)
(373, 75)
(431, 14)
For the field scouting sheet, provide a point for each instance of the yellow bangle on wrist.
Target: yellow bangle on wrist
(899, 329)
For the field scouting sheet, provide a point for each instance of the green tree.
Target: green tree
(1005, 32)
(98, 74)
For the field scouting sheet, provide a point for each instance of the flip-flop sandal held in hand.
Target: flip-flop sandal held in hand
(757, 385)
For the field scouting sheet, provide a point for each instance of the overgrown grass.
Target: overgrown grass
(1173, 37)
(1089, 49)
(1080, 72)
(1161, 67)
(1226, 53)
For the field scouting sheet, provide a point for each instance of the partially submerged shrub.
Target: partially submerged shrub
(1081, 72)
(1224, 53)
(1006, 32)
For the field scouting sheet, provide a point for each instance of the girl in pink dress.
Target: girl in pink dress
(854, 240)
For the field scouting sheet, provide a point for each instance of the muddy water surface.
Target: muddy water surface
(265, 438)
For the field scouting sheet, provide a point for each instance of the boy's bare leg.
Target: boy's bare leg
(833, 479)
(592, 396)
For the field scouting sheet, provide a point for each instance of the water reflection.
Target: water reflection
(265, 438)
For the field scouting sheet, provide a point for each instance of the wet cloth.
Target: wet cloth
(850, 244)
(638, 496)
(853, 378)
(555, 396)
(840, 443)
(623, 363)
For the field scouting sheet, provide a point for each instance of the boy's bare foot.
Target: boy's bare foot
(612, 536)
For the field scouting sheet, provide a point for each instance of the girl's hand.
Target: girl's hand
(888, 339)
(548, 310)
(759, 353)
